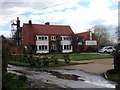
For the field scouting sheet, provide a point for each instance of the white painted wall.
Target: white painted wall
(65, 42)
(42, 51)
(42, 42)
(66, 51)
(91, 42)
(46, 42)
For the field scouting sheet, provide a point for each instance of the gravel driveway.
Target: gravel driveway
(95, 66)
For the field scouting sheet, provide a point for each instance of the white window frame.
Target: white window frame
(67, 47)
(53, 47)
(42, 38)
(53, 37)
(68, 38)
(43, 47)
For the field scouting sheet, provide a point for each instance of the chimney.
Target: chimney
(47, 23)
(18, 23)
(90, 35)
(30, 22)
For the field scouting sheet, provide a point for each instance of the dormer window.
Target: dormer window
(53, 37)
(42, 38)
(66, 38)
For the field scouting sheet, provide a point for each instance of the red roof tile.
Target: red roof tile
(86, 35)
(47, 29)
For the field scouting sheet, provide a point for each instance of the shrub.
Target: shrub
(23, 78)
(116, 55)
(45, 61)
(14, 82)
(66, 58)
(38, 61)
(54, 60)
(91, 49)
(31, 60)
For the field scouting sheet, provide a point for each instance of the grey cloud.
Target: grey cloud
(98, 22)
(7, 7)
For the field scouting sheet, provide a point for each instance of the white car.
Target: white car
(106, 49)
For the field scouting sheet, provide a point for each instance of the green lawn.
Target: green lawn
(88, 56)
(19, 63)
(82, 56)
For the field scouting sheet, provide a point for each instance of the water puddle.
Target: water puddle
(65, 76)
(72, 78)
(62, 76)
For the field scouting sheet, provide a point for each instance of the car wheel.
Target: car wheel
(105, 51)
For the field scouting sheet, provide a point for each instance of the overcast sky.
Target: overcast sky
(79, 14)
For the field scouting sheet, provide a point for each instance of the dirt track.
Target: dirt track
(96, 66)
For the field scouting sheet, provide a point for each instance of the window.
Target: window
(109, 48)
(61, 47)
(67, 47)
(43, 47)
(40, 47)
(42, 37)
(53, 38)
(53, 47)
(65, 38)
(45, 38)
(61, 38)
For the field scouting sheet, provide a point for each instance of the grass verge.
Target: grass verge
(15, 82)
(61, 63)
(89, 56)
(82, 56)
(113, 75)
(19, 63)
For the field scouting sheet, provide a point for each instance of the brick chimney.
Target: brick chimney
(30, 22)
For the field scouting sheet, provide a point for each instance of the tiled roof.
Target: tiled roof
(86, 35)
(47, 29)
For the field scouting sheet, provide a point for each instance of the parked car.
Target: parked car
(106, 49)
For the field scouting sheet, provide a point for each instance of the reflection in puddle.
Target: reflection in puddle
(81, 76)
(65, 76)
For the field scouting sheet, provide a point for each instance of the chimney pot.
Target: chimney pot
(47, 23)
(30, 22)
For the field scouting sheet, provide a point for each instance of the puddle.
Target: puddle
(65, 76)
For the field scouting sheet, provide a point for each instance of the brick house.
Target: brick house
(47, 38)
(85, 41)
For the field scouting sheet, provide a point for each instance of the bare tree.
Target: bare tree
(102, 34)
